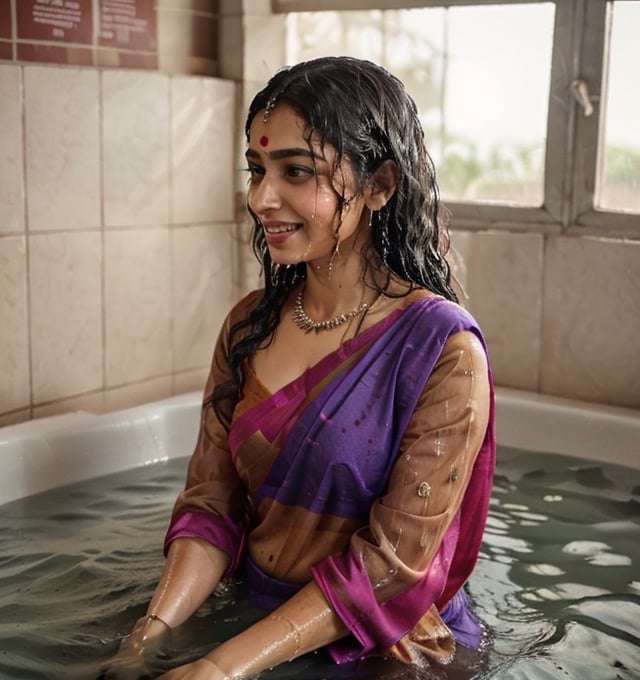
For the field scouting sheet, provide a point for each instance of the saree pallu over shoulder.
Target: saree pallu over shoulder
(334, 436)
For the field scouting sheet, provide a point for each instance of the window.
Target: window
(485, 121)
(529, 108)
(618, 185)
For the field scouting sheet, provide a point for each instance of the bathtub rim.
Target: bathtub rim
(45, 453)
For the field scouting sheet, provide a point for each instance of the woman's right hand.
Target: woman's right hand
(192, 570)
(139, 651)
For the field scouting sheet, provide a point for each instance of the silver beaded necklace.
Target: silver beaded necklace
(307, 324)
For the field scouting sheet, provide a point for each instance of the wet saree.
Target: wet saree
(335, 477)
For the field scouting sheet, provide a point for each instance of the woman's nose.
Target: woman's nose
(265, 195)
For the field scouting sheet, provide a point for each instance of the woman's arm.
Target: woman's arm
(203, 540)
(303, 623)
(192, 570)
(409, 556)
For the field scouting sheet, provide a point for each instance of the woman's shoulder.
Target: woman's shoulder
(436, 309)
(244, 306)
(238, 314)
(427, 299)
(463, 341)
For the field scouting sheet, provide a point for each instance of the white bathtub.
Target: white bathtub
(49, 452)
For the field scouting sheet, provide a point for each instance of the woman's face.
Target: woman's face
(292, 190)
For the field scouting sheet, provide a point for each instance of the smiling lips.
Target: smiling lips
(278, 232)
(279, 227)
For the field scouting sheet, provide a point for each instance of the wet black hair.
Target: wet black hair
(366, 114)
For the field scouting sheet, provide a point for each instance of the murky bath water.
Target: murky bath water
(558, 582)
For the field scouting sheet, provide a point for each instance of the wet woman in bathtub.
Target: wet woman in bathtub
(346, 451)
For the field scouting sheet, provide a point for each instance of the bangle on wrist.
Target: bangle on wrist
(155, 617)
(295, 633)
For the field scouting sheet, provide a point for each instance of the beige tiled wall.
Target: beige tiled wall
(136, 153)
(119, 253)
(116, 221)
(65, 316)
(591, 320)
(561, 314)
(62, 147)
(501, 274)
(11, 145)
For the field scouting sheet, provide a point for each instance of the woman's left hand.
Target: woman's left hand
(203, 669)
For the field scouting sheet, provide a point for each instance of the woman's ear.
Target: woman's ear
(382, 185)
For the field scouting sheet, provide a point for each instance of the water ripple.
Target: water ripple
(555, 583)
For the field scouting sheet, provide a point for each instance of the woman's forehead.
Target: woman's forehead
(283, 127)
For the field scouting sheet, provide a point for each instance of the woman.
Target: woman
(346, 452)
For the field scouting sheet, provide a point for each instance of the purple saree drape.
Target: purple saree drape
(331, 439)
(337, 457)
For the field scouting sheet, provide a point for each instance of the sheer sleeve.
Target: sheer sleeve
(408, 558)
(213, 505)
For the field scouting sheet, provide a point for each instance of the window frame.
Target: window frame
(580, 42)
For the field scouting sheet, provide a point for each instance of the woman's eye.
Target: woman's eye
(292, 172)
(255, 172)
(296, 171)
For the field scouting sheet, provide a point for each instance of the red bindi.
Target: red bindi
(264, 140)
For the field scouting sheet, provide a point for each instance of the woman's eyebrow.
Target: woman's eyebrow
(284, 153)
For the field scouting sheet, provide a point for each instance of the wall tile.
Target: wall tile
(247, 272)
(202, 291)
(263, 8)
(62, 147)
(190, 381)
(5, 19)
(14, 418)
(232, 7)
(136, 148)
(265, 52)
(501, 274)
(592, 320)
(140, 393)
(11, 163)
(201, 6)
(231, 36)
(129, 26)
(66, 324)
(14, 337)
(91, 403)
(137, 304)
(55, 54)
(108, 57)
(202, 149)
(32, 25)
(188, 42)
